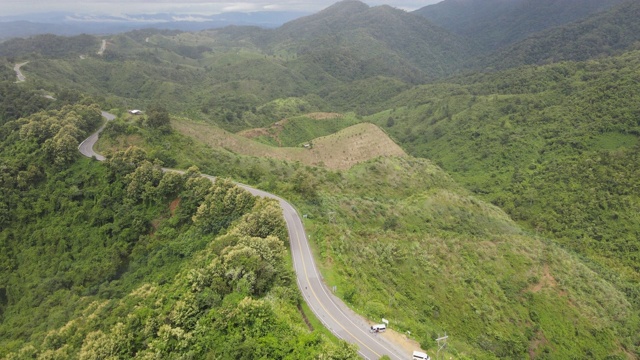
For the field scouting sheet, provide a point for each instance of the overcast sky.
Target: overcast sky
(14, 7)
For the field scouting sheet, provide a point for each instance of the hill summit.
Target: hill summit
(379, 40)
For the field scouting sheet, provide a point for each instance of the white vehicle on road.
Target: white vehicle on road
(419, 355)
(378, 328)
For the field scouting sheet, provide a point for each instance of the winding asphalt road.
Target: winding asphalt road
(333, 313)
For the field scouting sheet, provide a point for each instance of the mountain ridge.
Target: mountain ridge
(497, 23)
(355, 29)
(607, 33)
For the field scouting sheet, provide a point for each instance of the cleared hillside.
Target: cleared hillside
(341, 150)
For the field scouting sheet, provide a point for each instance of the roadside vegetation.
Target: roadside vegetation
(121, 259)
(379, 225)
(500, 207)
(556, 147)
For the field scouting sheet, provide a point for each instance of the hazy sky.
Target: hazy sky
(13, 7)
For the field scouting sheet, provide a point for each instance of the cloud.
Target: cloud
(242, 7)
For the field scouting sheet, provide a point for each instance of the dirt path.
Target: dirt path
(19, 74)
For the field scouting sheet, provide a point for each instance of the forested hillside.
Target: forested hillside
(555, 146)
(512, 225)
(351, 40)
(208, 75)
(124, 260)
(50, 46)
(609, 33)
(494, 24)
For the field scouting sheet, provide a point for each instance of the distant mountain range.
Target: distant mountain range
(494, 24)
(352, 41)
(62, 23)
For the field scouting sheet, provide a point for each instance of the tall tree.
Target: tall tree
(158, 117)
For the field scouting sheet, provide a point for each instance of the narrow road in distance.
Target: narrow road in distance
(330, 310)
(19, 74)
(103, 47)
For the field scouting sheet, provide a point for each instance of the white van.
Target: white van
(418, 355)
(378, 328)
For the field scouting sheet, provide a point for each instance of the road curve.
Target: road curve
(86, 147)
(333, 313)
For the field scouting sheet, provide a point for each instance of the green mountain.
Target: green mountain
(50, 46)
(556, 147)
(513, 227)
(604, 34)
(494, 24)
(351, 40)
(226, 76)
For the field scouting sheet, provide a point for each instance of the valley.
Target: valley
(466, 181)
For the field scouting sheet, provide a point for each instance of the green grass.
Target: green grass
(302, 129)
(614, 141)
(452, 263)
(549, 145)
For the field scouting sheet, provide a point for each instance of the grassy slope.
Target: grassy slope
(556, 147)
(402, 241)
(298, 130)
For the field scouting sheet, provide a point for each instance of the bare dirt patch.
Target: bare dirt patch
(174, 205)
(254, 133)
(273, 131)
(276, 128)
(324, 116)
(538, 342)
(545, 281)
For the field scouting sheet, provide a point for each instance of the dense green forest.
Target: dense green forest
(49, 46)
(122, 259)
(494, 24)
(513, 226)
(604, 34)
